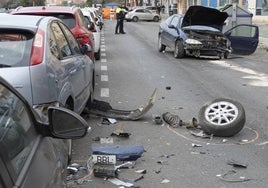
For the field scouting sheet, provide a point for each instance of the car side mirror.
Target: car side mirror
(66, 124)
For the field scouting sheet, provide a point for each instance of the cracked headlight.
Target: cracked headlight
(193, 41)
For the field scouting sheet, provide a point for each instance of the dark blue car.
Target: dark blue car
(199, 33)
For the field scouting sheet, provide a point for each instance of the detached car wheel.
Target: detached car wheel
(161, 47)
(179, 49)
(222, 117)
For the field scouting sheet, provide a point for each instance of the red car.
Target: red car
(71, 16)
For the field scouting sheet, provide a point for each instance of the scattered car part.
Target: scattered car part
(123, 153)
(226, 177)
(237, 164)
(172, 119)
(222, 117)
(158, 120)
(105, 171)
(105, 109)
(119, 131)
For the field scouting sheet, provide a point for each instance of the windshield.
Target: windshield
(14, 48)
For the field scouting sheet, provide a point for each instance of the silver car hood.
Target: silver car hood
(199, 15)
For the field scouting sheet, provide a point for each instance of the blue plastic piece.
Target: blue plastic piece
(123, 153)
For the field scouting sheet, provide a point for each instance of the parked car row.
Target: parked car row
(47, 58)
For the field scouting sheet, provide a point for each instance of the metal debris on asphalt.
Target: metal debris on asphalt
(237, 164)
(172, 119)
(119, 131)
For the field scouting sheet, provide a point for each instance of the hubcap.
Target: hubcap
(221, 113)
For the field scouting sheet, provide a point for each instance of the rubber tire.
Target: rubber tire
(226, 129)
(135, 19)
(225, 55)
(161, 47)
(97, 55)
(179, 49)
(156, 19)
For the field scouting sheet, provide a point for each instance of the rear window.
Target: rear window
(15, 48)
(68, 19)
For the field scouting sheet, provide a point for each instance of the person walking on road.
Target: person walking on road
(120, 16)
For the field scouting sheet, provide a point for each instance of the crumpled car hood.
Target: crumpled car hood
(199, 15)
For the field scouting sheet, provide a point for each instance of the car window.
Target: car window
(68, 19)
(17, 133)
(14, 48)
(81, 18)
(72, 40)
(174, 21)
(139, 11)
(147, 11)
(244, 31)
(61, 40)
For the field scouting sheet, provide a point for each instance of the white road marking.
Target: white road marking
(103, 50)
(104, 78)
(104, 92)
(103, 60)
(104, 68)
(103, 54)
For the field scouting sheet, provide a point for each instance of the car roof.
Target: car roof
(20, 21)
(50, 9)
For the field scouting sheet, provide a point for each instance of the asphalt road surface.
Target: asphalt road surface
(131, 68)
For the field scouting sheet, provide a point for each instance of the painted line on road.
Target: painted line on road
(104, 92)
(104, 78)
(104, 68)
(103, 54)
(103, 60)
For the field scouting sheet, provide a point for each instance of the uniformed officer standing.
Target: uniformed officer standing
(120, 16)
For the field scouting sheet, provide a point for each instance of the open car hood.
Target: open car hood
(199, 15)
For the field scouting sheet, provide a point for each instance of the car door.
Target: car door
(244, 38)
(148, 15)
(27, 159)
(87, 69)
(170, 34)
(70, 80)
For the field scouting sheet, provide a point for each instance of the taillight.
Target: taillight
(83, 39)
(38, 48)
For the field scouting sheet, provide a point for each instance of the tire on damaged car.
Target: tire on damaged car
(161, 47)
(222, 117)
(179, 49)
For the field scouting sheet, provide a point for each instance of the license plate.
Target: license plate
(104, 159)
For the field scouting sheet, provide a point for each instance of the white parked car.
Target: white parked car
(95, 29)
(139, 14)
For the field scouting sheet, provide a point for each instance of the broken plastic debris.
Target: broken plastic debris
(196, 145)
(119, 182)
(126, 164)
(158, 120)
(237, 164)
(231, 176)
(119, 131)
(165, 181)
(106, 140)
(102, 171)
(123, 153)
(104, 109)
(201, 134)
(143, 171)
